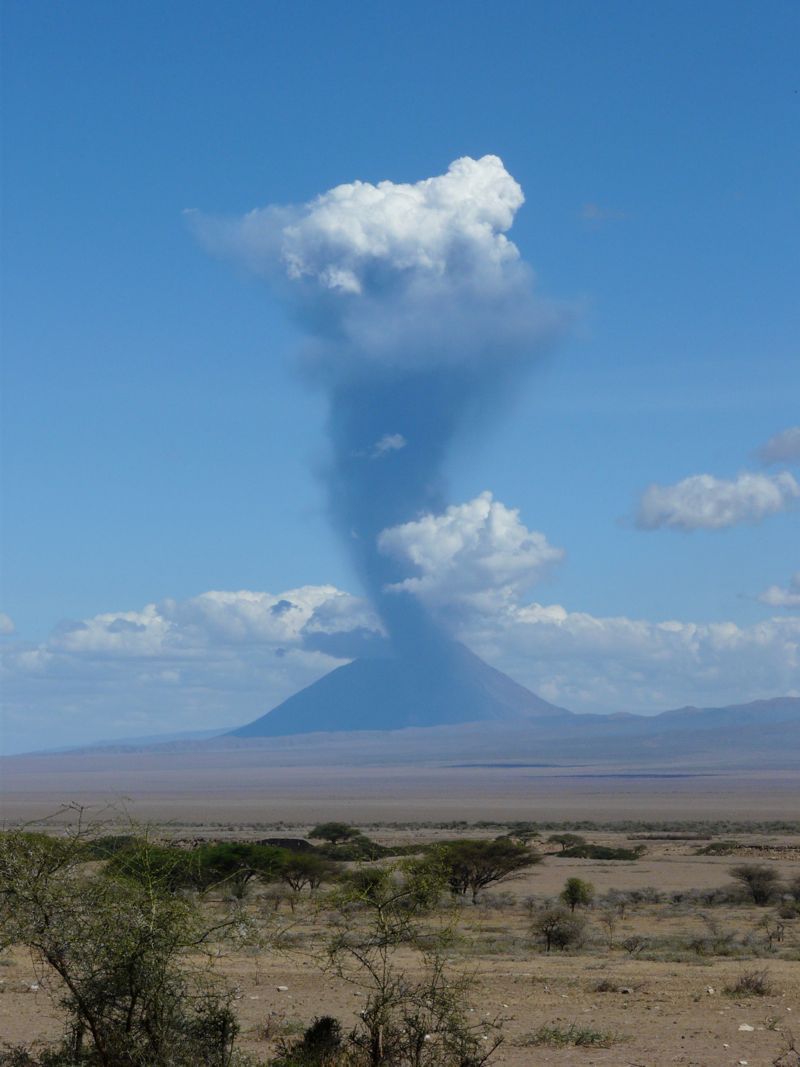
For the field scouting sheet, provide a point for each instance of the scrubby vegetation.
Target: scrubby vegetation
(133, 929)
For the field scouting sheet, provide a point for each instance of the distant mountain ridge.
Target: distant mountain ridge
(507, 725)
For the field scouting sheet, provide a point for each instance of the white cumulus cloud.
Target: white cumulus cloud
(472, 550)
(353, 229)
(703, 502)
(783, 447)
(604, 664)
(213, 660)
(409, 274)
(777, 596)
(345, 238)
(7, 626)
(223, 658)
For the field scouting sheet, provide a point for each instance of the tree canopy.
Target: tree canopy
(472, 865)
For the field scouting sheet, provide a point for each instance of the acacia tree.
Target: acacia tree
(557, 928)
(566, 840)
(118, 950)
(471, 866)
(576, 891)
(760, 881)
(334, 832)
(303, 869)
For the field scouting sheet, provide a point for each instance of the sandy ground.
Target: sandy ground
(218, 786)
(676, 1011)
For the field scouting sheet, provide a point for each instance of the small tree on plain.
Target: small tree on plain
(576, 891)
(566, 840)
(759, 880)
(608, 920)
(557, 928)
(471, 866)
(333, 832)
(304, 869)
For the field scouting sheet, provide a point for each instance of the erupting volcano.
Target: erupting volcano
(419, 315)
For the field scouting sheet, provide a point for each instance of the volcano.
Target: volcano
(452, 687)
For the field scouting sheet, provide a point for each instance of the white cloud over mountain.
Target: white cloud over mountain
(703, 502)
(469, 552)
(217, 658)
(223, 658)
(591, 663)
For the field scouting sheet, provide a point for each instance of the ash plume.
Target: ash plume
(418, 313)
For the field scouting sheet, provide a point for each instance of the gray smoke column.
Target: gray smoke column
(418, 313)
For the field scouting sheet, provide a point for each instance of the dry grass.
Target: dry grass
(661, 995)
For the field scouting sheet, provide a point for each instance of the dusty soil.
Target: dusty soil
(205, 786)
(674, 1012)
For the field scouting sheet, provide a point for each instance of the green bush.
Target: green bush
(602, 852)
(718, 848)
(119, 947)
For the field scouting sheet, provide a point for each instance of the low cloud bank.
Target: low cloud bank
(223, 658)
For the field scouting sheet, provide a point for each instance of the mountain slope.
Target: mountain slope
(393, 693)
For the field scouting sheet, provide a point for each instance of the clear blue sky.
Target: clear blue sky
(157, 443)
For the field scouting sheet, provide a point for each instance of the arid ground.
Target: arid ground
(206, 785)
(651, 989)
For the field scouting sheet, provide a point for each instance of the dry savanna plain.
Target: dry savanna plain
(669, 959)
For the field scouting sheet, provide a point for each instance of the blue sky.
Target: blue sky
(159, 442)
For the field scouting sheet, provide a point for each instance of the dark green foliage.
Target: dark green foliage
(566, 840)
(226, 867)
(232, 865)
(103, 848)
(320, 1046)
(300, 870)
(119, 948)
(333, 832)
(602, 852)
(759, 880)
(718, 848)
(146, 863)
(358, 847)
(472, 865)
(576, 891)
(367, 883)
(557, 928)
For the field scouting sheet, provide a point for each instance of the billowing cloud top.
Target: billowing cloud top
(472, 551)
(348, 233)
(404, 274)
